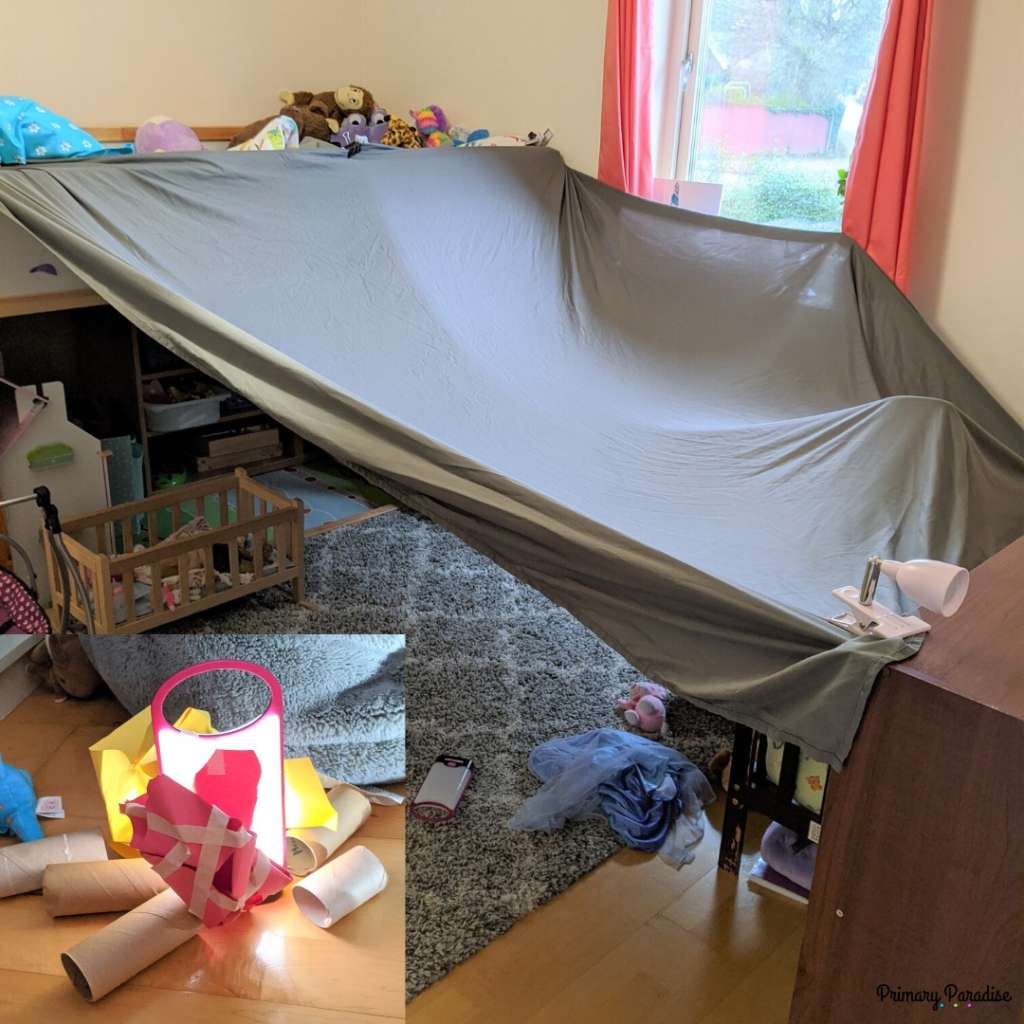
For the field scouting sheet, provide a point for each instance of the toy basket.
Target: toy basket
(230, 537)
(166, 417)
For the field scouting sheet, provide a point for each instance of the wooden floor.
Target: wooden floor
(636, 941)
(269, 966)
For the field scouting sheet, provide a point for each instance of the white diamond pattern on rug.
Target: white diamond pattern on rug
(492, 669)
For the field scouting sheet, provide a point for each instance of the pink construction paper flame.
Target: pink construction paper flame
(229, 780)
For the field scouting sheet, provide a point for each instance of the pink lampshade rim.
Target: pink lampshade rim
(276, 705)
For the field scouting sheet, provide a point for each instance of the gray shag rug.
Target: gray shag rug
(344, 696)
(492, 669)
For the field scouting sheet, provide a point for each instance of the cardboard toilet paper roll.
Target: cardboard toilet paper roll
(115, 954)
(340, 886)
(22, 865)
(308, 848)
(101, 887)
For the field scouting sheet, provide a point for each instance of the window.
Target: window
(763, 97)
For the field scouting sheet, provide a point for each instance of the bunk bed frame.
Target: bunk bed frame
(81, 298)
(750, 789)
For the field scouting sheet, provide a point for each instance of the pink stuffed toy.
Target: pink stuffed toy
(645, 707)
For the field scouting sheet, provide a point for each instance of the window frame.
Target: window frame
(679, 88)
(681, 30)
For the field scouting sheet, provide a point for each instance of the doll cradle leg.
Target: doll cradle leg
(298, 554)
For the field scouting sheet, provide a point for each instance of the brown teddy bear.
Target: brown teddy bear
(349, 99)
(323, 103)
(315, 115)
(311, 122)
(60, 664)
(354, 99)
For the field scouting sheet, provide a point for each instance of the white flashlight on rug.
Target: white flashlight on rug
(442, 789)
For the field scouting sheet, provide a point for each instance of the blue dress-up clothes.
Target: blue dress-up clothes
(651, 795)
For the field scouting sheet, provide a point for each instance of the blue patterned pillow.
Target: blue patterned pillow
(28, 131)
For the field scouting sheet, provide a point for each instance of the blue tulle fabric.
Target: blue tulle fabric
(651, 795)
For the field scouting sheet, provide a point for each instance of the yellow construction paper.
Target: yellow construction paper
(125, 761)
(305, 801)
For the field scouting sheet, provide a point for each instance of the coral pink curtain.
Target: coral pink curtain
(882, 188)
(625, 160)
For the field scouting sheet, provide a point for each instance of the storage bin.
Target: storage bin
(164, 418)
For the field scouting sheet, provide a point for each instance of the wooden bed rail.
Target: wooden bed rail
(81, 298)
(126, 133)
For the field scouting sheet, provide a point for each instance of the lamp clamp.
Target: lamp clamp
(874, 619)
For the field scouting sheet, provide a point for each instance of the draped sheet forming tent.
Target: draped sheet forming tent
(686, 430)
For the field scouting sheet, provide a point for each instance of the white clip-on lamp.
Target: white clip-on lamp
(938, 586)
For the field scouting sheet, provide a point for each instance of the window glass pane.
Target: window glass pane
(780, 91)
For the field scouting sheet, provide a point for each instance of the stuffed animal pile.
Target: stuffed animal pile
(318, 115)
(435, 129)
(351, 115)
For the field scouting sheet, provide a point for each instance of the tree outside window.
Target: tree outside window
(779, 92)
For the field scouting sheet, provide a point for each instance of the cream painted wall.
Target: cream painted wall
(201, 61)
(967, 265)
(513, 68)
(509, 67)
